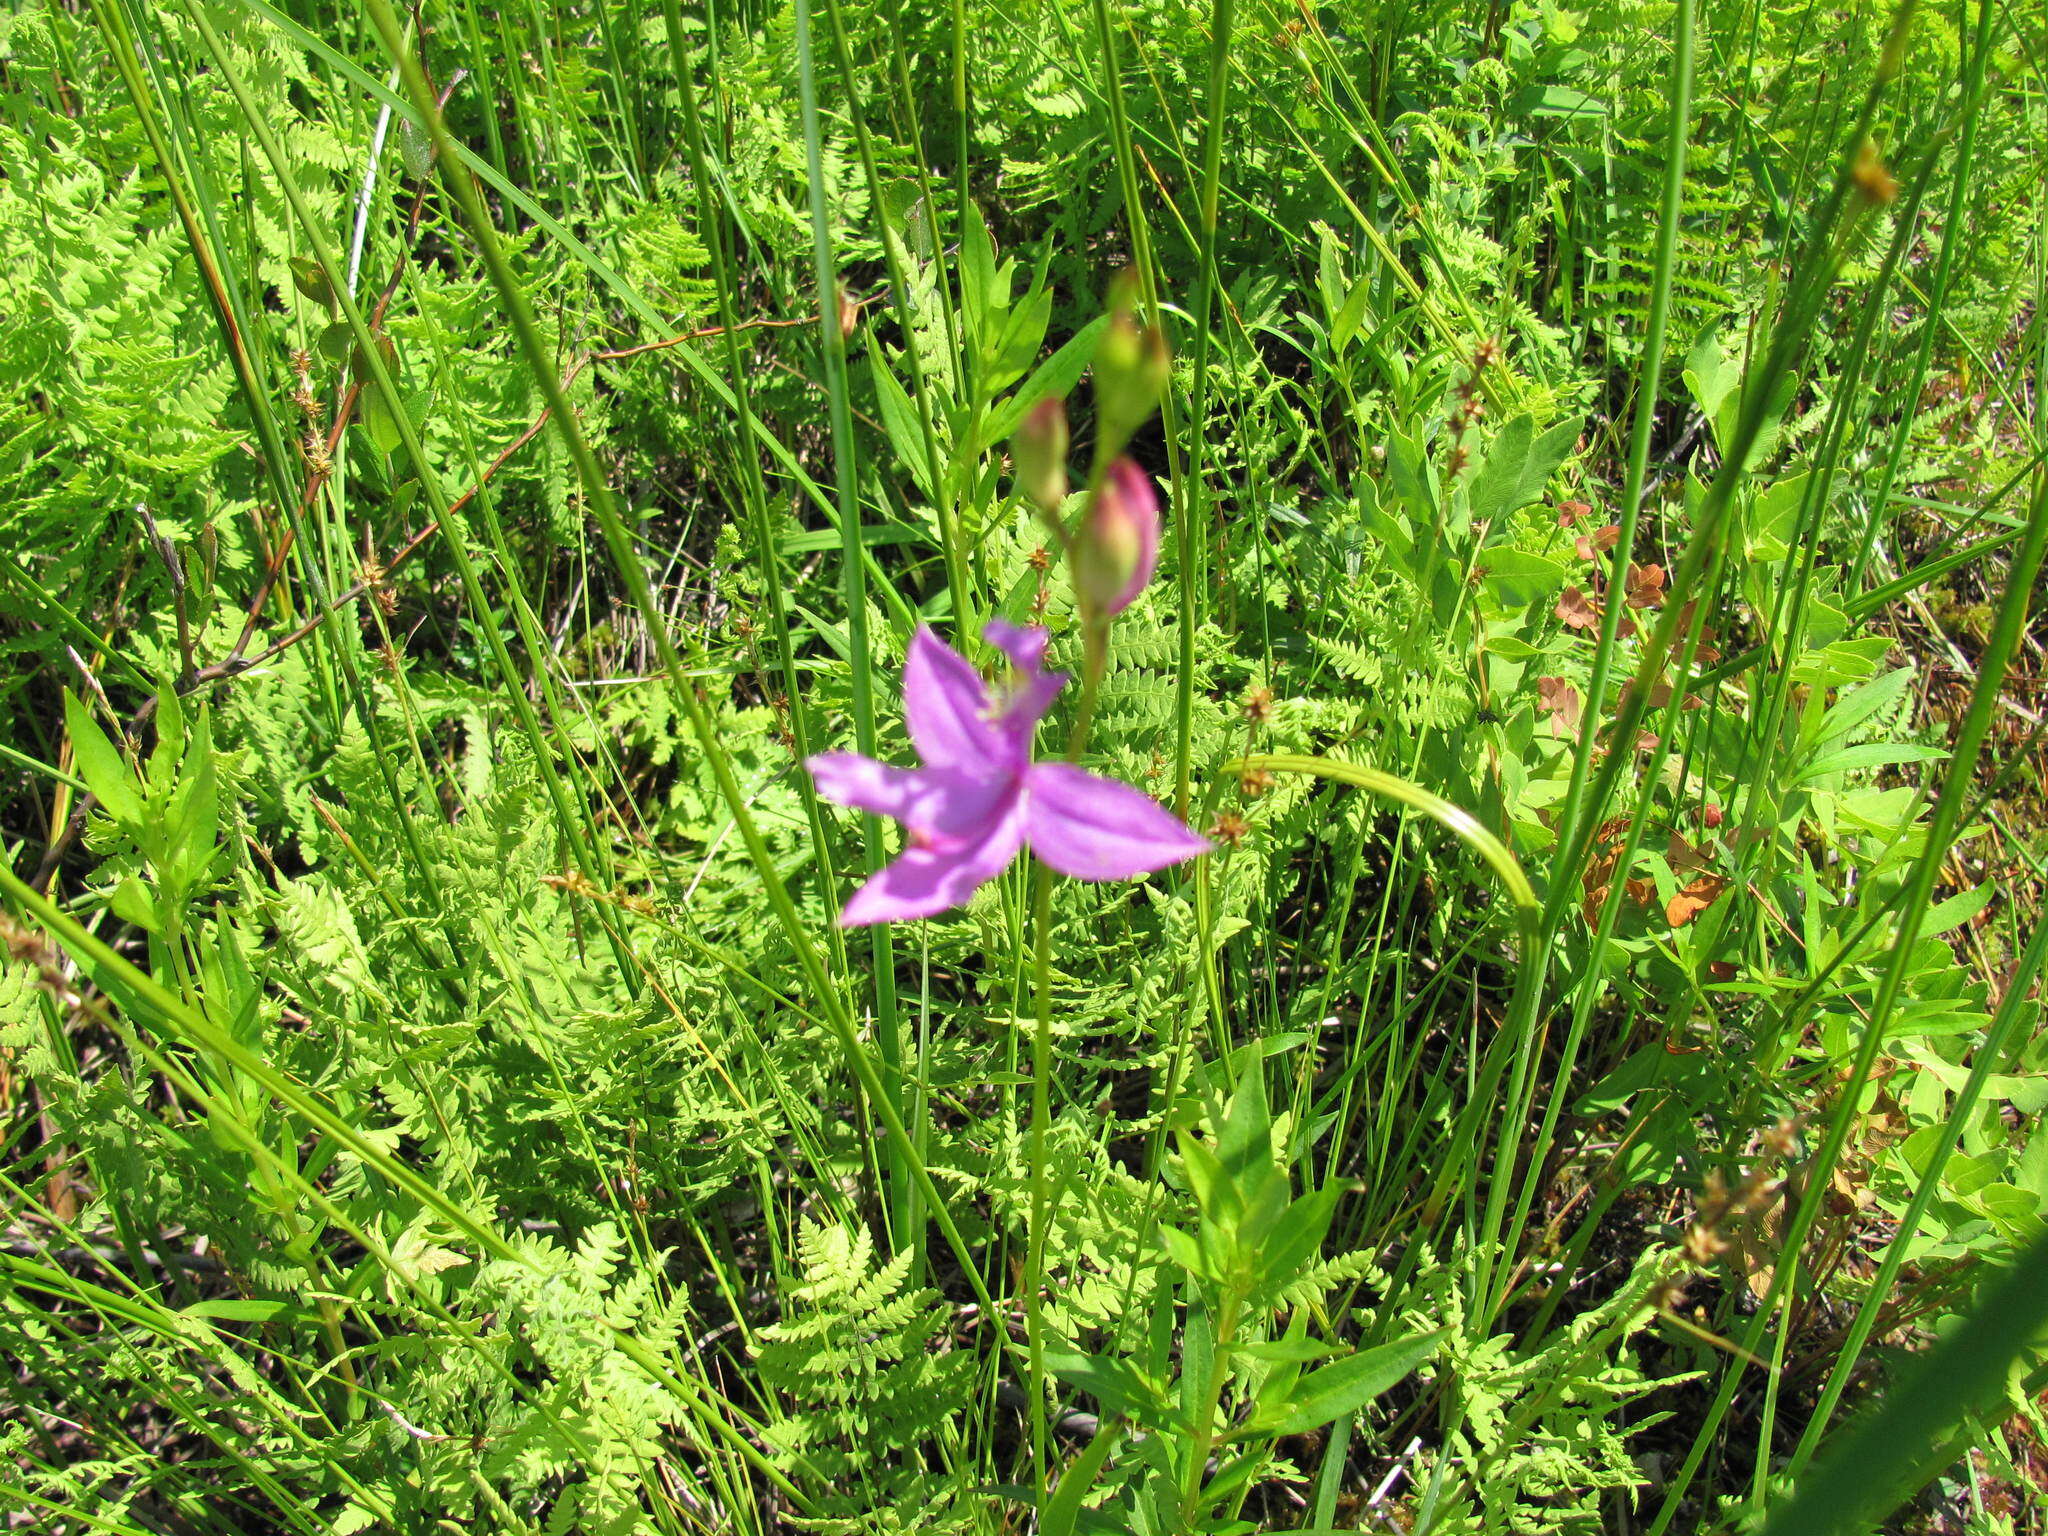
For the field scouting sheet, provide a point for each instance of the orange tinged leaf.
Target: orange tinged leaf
(1577, 610)
(1592, 545)
(1560, 700)
(1645, 586)
(1694, 899)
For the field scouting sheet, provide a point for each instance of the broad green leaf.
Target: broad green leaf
(1518, 466)
(1113, 1383)
(1857, 705)
(1214, 1189)
(1520, 578)
(1297, 1241)
(1871, 754)
(1345, 325)
(1023, 333)
(380, 421)
(1773, 514)
(1559, 101)
(1408, 469)
(100, 765)
(1347, 1386)
(193, 822)
(1056, 376)
(1388, 527)
(1288, 1349)
(1956, 910)
(1711, 375)
(981, 293)
(1246, 1134)
(133, 903)
(170, 734)
(337, 342)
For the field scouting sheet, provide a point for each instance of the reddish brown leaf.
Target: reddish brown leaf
(1645, 586)
(1600, 873)
(1592, 545)
(1577, 610)
(1694, 899)
(1561, 701)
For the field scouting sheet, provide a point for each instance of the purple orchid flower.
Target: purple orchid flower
(979, 797)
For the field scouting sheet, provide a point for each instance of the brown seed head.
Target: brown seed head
(1873, 181)
(1258, 705)
(1229, 828)
(23, 944)
(1703, 1244)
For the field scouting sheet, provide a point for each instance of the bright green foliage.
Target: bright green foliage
(855, 1357)
(434, 1096)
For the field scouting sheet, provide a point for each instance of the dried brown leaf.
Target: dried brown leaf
(1561, 701)
(1694, 899)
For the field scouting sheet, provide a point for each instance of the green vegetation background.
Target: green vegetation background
(435, 1096)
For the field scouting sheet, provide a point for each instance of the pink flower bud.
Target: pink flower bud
(1117, 546)
(1039, 452)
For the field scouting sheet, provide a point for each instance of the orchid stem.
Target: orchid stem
(1094, 662)
(1095, 658)
(1041, 1113)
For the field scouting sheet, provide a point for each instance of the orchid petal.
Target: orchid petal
(1097, 829)
(1034, 695)
(943, 805)
(1025, 646)
(948, 708)
(923, 881)
(847, 778)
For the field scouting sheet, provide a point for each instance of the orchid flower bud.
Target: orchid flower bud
(1117, 546)
(1131, 368)
(1039, 451)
